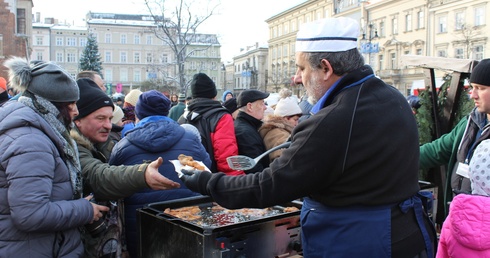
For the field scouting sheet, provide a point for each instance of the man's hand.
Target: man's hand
(155, 180)
(196, 180)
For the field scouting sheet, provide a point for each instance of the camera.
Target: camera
(96, 228)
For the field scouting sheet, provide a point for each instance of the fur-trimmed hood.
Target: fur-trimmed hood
(274, 122)
(81, 140)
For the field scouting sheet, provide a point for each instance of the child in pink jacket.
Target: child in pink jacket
(466, 231)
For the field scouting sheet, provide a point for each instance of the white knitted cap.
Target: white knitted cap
(117, 114)
(132, 97)
(328, 35)
(287, 107)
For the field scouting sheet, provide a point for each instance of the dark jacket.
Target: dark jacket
(352, 152)
(215, 124)
(153, 137)
(249, 141)
(4, 97)
(176, 111)
(38, 216)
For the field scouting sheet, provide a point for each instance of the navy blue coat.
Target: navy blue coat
(153, 137)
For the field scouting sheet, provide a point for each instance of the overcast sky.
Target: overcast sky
(237, 24)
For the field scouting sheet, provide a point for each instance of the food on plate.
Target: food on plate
(189, 161)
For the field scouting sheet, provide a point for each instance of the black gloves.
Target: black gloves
(196, 180)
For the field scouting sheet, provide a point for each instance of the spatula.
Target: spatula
(241, 162)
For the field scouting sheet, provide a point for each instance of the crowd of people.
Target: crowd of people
(76, 164)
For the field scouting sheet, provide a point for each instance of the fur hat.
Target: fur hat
(287, 107)
(481, 73)
(91, 99)
(117, 115)
(132, 97)
(203, 87)
(250, 95)
(44, 79)
(152, 103)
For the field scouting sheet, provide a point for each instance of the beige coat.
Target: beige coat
(275, 131)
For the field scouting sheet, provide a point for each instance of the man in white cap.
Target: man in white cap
(354, 161)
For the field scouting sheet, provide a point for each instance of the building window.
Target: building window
(108, 75)
(71, 58)
(380, 62)
(124, 57)
(459, 21)
(123, 75)
(394, 26)
(459, 53)
(441, 53)
(123, 39)
(478, 52)
(21, 21)
(408, 22)
(164, 58)
(136, 39)
(418, 51)
(108, 38)
(442, 23)
(285, 51)
(149, 58)
(420, 20)
(382, 29)
(59, 41)
(149, 40)
(39, 41)
(39, 56)
(293, 26)
(479, 16)
(137, 76)
(59, 57)
(83, 42)
(108, 57)
(393, 60)
(71, 42)
(136, 58)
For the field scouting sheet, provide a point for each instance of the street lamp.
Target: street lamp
(367, 47)
(223, 69)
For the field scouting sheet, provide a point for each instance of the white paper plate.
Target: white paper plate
(179, 167)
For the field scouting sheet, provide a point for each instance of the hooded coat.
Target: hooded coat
(275, 131)
(153, 137)
(466, 230)
(38, 216)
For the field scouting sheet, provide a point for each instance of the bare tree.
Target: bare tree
(279, 80)
(467, 34)
(177, 22)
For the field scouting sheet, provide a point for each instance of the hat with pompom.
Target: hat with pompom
(45, 79)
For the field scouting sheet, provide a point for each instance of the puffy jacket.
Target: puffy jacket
(466, 231)
(153, 137)
(38, 216)
(249, 141)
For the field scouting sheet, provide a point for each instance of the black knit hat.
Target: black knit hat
(481, 73)
(203, 87)
(152, 103)
(248, 96)
(230, 105)
(91, 98)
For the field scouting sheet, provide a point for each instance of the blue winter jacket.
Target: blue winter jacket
(153, 137)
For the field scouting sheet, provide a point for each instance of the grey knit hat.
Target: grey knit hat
(44, 79)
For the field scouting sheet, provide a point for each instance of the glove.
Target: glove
(196, 180)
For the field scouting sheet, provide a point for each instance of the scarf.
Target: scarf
(69, 152)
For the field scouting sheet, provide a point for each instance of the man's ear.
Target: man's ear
(327, 68)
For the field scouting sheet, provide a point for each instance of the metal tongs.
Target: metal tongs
(241, 162)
